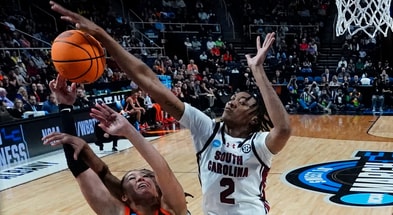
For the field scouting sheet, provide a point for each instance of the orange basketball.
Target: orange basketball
(78, 57)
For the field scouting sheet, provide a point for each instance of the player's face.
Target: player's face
(240, 109)
(139, 184)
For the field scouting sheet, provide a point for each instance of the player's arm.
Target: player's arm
(281, 131)
(136, 69)
(102, 170)
(73, 145)
(113, 123)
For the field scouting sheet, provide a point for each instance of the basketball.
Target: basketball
(78, 56)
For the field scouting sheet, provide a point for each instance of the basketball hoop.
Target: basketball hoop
(370, 16)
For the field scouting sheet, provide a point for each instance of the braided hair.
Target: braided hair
(264, 121)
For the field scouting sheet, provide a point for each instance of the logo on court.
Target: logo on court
(363, 182)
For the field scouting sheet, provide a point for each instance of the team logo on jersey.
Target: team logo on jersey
(246, 148)
(216, 143)
(363, 182)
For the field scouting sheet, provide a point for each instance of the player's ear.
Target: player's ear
(124, 198)
(254, 120)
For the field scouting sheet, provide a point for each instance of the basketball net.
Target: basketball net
(370, 16)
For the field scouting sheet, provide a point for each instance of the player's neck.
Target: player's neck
(237, 131)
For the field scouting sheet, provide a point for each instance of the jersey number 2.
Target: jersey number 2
(230, 188)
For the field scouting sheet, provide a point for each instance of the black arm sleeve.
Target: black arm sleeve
(67, 118)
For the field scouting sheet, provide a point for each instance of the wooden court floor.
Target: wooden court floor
(316, 139)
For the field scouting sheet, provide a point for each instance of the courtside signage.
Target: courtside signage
(363, 182)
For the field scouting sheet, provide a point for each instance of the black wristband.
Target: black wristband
(75, 166)
(65, 108)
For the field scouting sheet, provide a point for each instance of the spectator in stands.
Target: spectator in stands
(278, 77)
(21, 68)
(81, 100)
(210, 44)
(15, 57)
(351, 67)
(387, 67)
(17, 110)
(151, 110)
(23, 95)
(38, 61)
(219, 82)
(159, 67)
(384, 75)
(196, 44)
(306, 66)
(20, 79)
(133, 108)
(362, 54)
(327, 74)
(188, 45)
(219, 43)
(5, 100)
(31, 69)
(293, 95)
(193, 93)
(359, 66)
(324, 100)
(323, 81)
(303, 47)
(388, 93)
(355, 81)
(355, 100)
(11, 89)
(32, 104)
(203, 16)
(33, 90)
(339, 101)
(50, 105)
(192, 68)
(335, 82)
(7, 60)
(312, 51)
(5, 116)
(307, 100)
(303, 84)
(342, 63)
(227, 57)
(378, 98)
(345, 49)
(215, 53)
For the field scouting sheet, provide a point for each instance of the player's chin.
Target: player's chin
(226, 114)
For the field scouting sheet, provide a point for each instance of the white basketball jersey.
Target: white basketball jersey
(232, 171)
(232, 176)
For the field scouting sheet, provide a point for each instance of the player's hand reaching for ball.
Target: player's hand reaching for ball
(57, 138)
(64, 93)
(111, 121)
(80, 22)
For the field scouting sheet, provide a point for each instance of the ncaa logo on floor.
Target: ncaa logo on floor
(363, 182)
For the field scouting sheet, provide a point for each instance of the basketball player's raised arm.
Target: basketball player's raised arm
(136, 69)
(115, 124)
(281, 131)
(83, 151)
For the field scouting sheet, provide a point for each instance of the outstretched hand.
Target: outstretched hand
(56, 138)
(262, 51)
(111, 121)
(64, 94)
(80, 22)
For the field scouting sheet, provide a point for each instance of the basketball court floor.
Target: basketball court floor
(333, 164)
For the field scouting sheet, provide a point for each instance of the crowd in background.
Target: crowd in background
(212, 68)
